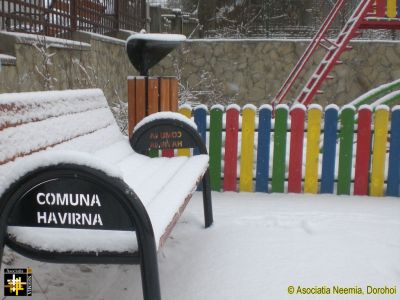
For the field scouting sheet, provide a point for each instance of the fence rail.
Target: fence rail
(62, 17)
(344, 151)
(173, 21)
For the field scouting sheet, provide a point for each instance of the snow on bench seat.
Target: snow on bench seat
(87, 134)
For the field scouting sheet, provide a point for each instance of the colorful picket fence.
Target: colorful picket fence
(344, 151)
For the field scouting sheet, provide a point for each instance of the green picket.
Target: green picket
(345, 150)
(153, 153)
(279, 158)
(215, 147)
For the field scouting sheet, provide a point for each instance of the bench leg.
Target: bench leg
(149, 266)
(2, 243)
(208, 213)
(150, 280)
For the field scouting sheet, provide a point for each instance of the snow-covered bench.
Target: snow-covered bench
(72, 190)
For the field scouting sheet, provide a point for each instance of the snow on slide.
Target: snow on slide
(259, 245)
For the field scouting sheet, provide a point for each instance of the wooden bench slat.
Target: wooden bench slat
(15, 109)
(29, 138)
(152, 174)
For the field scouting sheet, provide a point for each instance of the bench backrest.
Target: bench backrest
(74, 119)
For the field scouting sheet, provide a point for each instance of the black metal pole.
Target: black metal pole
(208, 213)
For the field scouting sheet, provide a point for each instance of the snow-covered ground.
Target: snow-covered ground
(259, 245)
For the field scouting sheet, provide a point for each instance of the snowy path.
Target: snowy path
(259, 245)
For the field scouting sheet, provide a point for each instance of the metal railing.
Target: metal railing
(62, 17)
(169, 20)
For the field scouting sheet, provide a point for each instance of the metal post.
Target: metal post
(116, 15)
(73, 14)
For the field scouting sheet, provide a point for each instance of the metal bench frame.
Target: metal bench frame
(146, 255)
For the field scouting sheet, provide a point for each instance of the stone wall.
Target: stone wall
(42, 64)
(222, 71)
(253, 70)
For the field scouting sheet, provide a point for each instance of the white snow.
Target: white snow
(200, 106)
(165, 115)
(50, 41)
(75, 240)
(233, 106)
(365, 106)
(218, 106)
(11, 172)
(33, 136)
(33, 106)
(282, 106)
(315, 106)
(250, 106)
(298, 106)
(157, 37)
(187, 106)
(382, 107)
(386, 98)
(211, 40)
(378, 89)
(265, 106)
(396, 107)
(347, 106)
(5, 56)
(258, 246)
(332, 106)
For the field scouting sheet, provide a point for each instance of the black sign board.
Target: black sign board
(70, 202)
(166, 137)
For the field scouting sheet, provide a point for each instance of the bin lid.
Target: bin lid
(145, 50)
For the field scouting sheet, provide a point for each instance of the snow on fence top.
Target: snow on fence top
(298, 106)
(332, 106)
(282, 106)
(201, 106)
(218, 106)
(250, 106)
(324, 148)
(233, 106)
(365, 106)
(348, 106)
(315, 106)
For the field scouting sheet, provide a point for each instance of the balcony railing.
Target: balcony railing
(62, 17)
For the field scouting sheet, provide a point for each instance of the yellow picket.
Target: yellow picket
(187, 112)
(381, 122)
(312, 152)
(391, 9)
(247, 149)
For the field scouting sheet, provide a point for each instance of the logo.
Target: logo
(18, 282)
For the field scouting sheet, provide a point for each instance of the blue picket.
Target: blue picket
(264, 136)
(200, 118)
(329, 150)
(393, 181)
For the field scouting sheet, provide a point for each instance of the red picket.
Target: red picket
(167, 153)
(363, 152)
(231, 148)
(380, 8)
(296, 149)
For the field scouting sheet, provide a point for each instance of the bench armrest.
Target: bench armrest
(166, 130)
